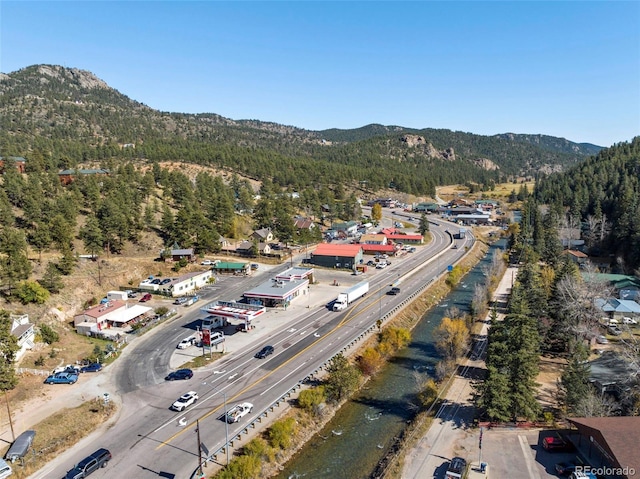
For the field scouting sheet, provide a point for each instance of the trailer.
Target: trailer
(462, 232)
(191, 300)
(350, 295)
(20, 446)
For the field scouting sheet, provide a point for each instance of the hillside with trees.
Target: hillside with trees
(68, 117)
(601, 197)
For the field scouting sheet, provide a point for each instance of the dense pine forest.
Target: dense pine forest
(601, 197)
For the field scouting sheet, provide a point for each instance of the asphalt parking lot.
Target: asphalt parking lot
(513, 453)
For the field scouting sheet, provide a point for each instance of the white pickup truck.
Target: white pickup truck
(239, 411)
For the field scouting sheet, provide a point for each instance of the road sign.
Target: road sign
(204, 449)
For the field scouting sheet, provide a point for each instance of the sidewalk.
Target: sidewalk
(451, 424)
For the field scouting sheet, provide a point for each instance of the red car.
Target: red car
(145, 298)
(556, 444)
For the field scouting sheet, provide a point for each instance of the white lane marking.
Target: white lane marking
(526, 452)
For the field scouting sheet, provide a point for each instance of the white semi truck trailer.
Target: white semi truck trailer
(350, 295)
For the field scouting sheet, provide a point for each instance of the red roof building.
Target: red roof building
(379, 248)
(337, 255)
(397, 236)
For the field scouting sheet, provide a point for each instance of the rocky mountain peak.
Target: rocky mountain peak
(74, 76)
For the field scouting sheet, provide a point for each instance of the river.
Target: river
(358, 437)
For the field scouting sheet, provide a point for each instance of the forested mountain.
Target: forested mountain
(69, 117)
(553, 144)
(602, 194)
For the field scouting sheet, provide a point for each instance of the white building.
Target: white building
(22, 329)
(186, 284)
(116, 314)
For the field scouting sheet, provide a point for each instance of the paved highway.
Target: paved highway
(150, 441)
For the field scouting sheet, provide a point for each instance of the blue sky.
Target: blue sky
(566, 69)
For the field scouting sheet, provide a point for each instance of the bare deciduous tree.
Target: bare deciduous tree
(576, 299)
(596, 405)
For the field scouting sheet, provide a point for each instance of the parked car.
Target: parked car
(146, 297)
(582, 475)
(91, 368)
(615, 330)
(90, 464)
(186, 342)
(457, 468)
(371, 263)
(184, 401)
(5, 469)
(565, 468)
(181, 300)
(601, 339)
(628, 320)
(264, 352)
(180, 374)
(254, 266)
(69, 368)
(556, 443)
(207, 262)
(61, 378)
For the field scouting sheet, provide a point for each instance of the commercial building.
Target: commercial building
(345, 256)
(609, 444)
(116, 314)
(277, 292)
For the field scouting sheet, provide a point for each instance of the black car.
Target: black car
(393, 291)
(264, 352)
(457, 468)
(180, 374)
(90, 464)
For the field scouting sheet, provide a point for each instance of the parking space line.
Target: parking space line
(526, 451)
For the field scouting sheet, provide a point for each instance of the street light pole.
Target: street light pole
(226, 426)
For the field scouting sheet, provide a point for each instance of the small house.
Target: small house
(17, 162)
(68, 176)
(179, 254)
(263, 235)
(24, 331)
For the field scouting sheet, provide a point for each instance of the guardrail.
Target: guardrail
(287, 395)
(315, 373)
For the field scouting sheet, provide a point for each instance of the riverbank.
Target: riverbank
(408, 318)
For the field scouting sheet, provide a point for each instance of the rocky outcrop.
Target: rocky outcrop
(486, 164)
(419, 142)
(413, 140)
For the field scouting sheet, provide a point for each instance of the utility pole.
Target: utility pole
(199, 449)
(13, 435)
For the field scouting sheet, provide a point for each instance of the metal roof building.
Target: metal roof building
(277, 292)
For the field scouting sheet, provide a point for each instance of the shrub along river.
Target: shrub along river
(359, 436)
